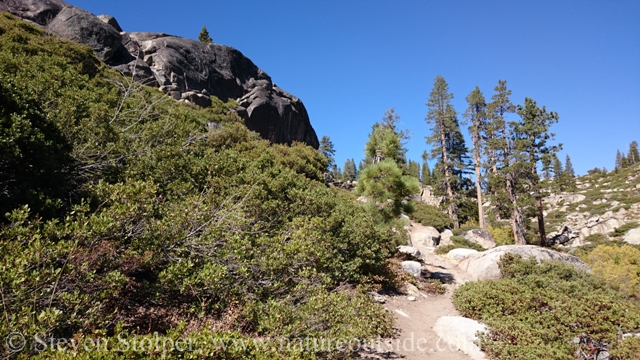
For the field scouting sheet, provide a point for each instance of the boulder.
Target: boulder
(110, 20)
(480, 237)
(409, 250)
(80, 26)
(632, 236)
(484, 265)
(445, 237)
(412, 267)
(460, 333)
(574, 198)
(36, 11)
(424, 235)
(427, 197)
(460, 254)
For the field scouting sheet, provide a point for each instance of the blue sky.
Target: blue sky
(349, 60)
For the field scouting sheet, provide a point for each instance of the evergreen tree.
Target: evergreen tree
(477, 118)
(327, 150)
(569, 173)
(633, 156)
(336, 172)
(619, 157)
(426, 172)
(443, 121)
(350, 171)
(531, 135)
(204, 36)
(557, 170)
(546, 167)
(413, 169)
(386, 141)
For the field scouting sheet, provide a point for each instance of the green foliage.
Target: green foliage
(387, 189)
(618, 266)
(327, 150)
(429, 215)
(535, 311)
(350, 171)
(204, 36)
(502, 235)
(171, 215)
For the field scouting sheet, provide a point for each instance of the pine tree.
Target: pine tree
(619, 157)
(386, 141)
(426, 172)
(442, 119)
(569, 173)
(633, 156)
(349, 173)
(413, 169)
(204, 36)
(546, 167)
(477, 118)
(531, 135)
(336, 172)
(327, 150)
(558, 170)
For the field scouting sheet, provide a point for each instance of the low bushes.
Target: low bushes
(429, 215)
(535, 311)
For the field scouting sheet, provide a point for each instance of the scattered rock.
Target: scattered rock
(460, 254)
(461, 333)
(480, 237)
(412, 267)
(632, 236)
(427, 197)
(484, 265)
(410, 250)
(411, 298)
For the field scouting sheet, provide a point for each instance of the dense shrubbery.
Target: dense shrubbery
(458, 242)
(535, 311)
(618, 266)
(167, 217)
(429, 215)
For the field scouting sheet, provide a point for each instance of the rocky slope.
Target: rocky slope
(184, 69)
(602, 203)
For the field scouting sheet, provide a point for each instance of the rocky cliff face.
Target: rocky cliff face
(184, 69)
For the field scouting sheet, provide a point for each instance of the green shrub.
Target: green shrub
(167, 224)
(618, 266)
(535, 311)
(429, 215)
(502, 235)
(458, 242)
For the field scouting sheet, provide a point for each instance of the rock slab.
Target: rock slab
(480, 237)
(460, 333)
(484, 265)
(632, 237)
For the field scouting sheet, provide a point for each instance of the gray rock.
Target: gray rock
(412, 267)
(425, 235)
(37, 11)
(460, 333)
(111, 21)
(410, 250)
(460, 254)
(80, 26)
(484, 265)
(574, 198)
(632, 236)
(445, 237)
(411, 298)
(480, 237)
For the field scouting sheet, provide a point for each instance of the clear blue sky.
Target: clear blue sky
(349, 61)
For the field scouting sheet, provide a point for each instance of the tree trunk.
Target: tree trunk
(445, 158)
(543, 236)
(476, 152)
(516, 216)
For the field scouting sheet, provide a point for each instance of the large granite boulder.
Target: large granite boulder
(632, 236)
(185, 69)
(480, 237)
(424, 235)
(484, 265)
(460, 333)
(80, 26)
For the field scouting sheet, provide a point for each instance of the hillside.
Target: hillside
(602, 203)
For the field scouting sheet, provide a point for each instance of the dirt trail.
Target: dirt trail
(415, 319)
